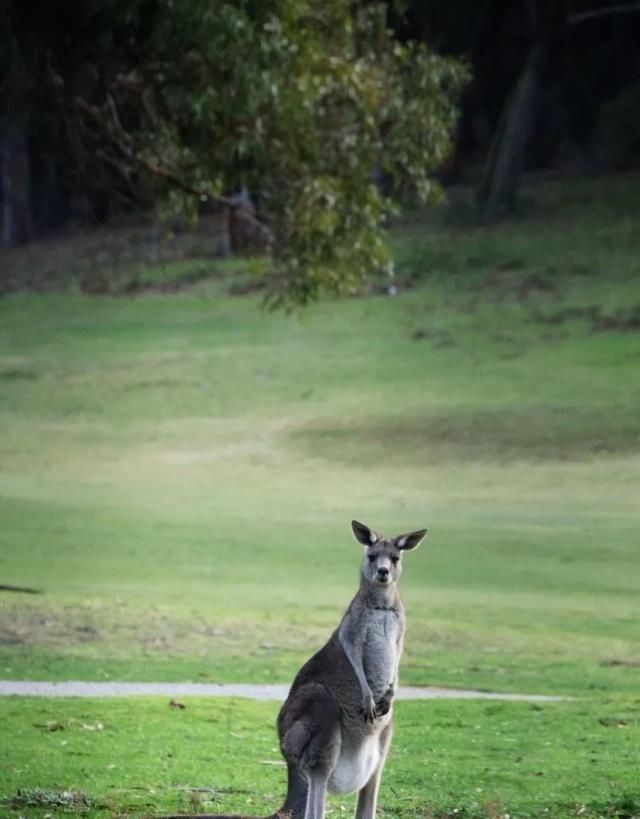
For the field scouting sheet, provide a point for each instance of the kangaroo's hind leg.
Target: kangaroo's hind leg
(310, 740)
(368, 796)
(317, 796)
(295, 804)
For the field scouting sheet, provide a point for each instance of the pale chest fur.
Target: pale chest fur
(381, 650)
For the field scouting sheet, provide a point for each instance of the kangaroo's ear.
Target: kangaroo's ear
(363, 534)
(410, 541)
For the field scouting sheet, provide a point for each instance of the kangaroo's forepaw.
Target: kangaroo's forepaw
(368, 709)
(383, 705)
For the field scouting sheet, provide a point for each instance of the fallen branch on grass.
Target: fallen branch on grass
(23, 589)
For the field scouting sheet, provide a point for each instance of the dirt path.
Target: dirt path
(73, 688)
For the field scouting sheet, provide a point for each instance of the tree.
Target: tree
(300, 102)
(547, 24)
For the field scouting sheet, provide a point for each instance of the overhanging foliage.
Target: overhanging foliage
(306, 104)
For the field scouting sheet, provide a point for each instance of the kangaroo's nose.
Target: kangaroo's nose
(383, 572)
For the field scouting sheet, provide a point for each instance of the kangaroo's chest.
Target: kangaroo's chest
(381, 650)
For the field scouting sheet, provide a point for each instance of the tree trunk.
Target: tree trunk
(498, 188)
(17, 226)
(542, 19)
(15, 169)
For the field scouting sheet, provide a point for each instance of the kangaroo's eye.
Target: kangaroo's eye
(372, 558)
(394, 560)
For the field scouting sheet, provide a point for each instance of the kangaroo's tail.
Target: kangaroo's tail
(294, 807)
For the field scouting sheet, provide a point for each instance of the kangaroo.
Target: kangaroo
(335, 725)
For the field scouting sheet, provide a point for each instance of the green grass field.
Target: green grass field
(178, 473)
(469, 759)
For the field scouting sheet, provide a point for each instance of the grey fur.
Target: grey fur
(335, 726)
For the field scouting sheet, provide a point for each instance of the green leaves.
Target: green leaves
(304, 103)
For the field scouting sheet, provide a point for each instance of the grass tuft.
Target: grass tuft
(43, 798)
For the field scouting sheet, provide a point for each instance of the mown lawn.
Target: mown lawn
(140, 757)
(178, 473)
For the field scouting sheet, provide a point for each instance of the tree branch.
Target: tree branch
(585, 16)
(124, 143)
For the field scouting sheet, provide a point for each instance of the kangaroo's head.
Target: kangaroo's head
(382, 562)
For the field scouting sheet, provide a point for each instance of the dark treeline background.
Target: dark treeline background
(554, 84)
